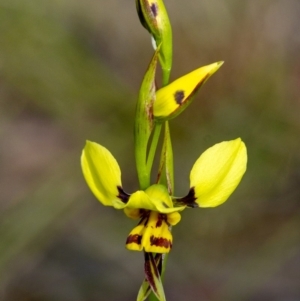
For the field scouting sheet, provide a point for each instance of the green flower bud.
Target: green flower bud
(153, 16)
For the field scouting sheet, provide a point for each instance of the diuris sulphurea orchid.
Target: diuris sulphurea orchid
(213, 178)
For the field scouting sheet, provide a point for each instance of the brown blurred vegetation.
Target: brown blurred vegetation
(70, 71)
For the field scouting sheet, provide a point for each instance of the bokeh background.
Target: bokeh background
(71, 71)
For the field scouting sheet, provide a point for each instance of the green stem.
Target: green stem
(153, 146)
(165, 79)
(157, 128)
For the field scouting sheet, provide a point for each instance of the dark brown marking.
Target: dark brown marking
(159, 221)
(134, 239)
(189, 199)
(160, 242)
(161, 218)
(179, 96)
(154, 9)
(144, 217)
(123, 196)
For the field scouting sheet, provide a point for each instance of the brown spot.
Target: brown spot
(189, 199)
(154, 9)
(160, 242)
(179, 96)
(123, 196)
(134, 239)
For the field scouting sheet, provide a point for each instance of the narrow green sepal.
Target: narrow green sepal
(153, 16)
(144, 291)
(153, 277)
(145, 288)
(144, 122)
(174, 98)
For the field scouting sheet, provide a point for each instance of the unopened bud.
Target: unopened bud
(153, 16)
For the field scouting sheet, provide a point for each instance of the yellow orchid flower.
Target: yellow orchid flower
(213, 178)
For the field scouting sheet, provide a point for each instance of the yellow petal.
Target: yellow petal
(173, 218)
(217, 173)
(173, 98)
(101, 172)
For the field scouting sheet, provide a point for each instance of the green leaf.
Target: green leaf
(144, 122)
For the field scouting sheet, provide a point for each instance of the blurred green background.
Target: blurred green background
(70, 71)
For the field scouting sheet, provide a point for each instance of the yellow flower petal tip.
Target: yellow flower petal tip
(172, 99)
(153, 234)
(101, 172)
(216, 174)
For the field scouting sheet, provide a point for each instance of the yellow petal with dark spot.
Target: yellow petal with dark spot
(217, 172)
(173, 98)
(101, 172)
